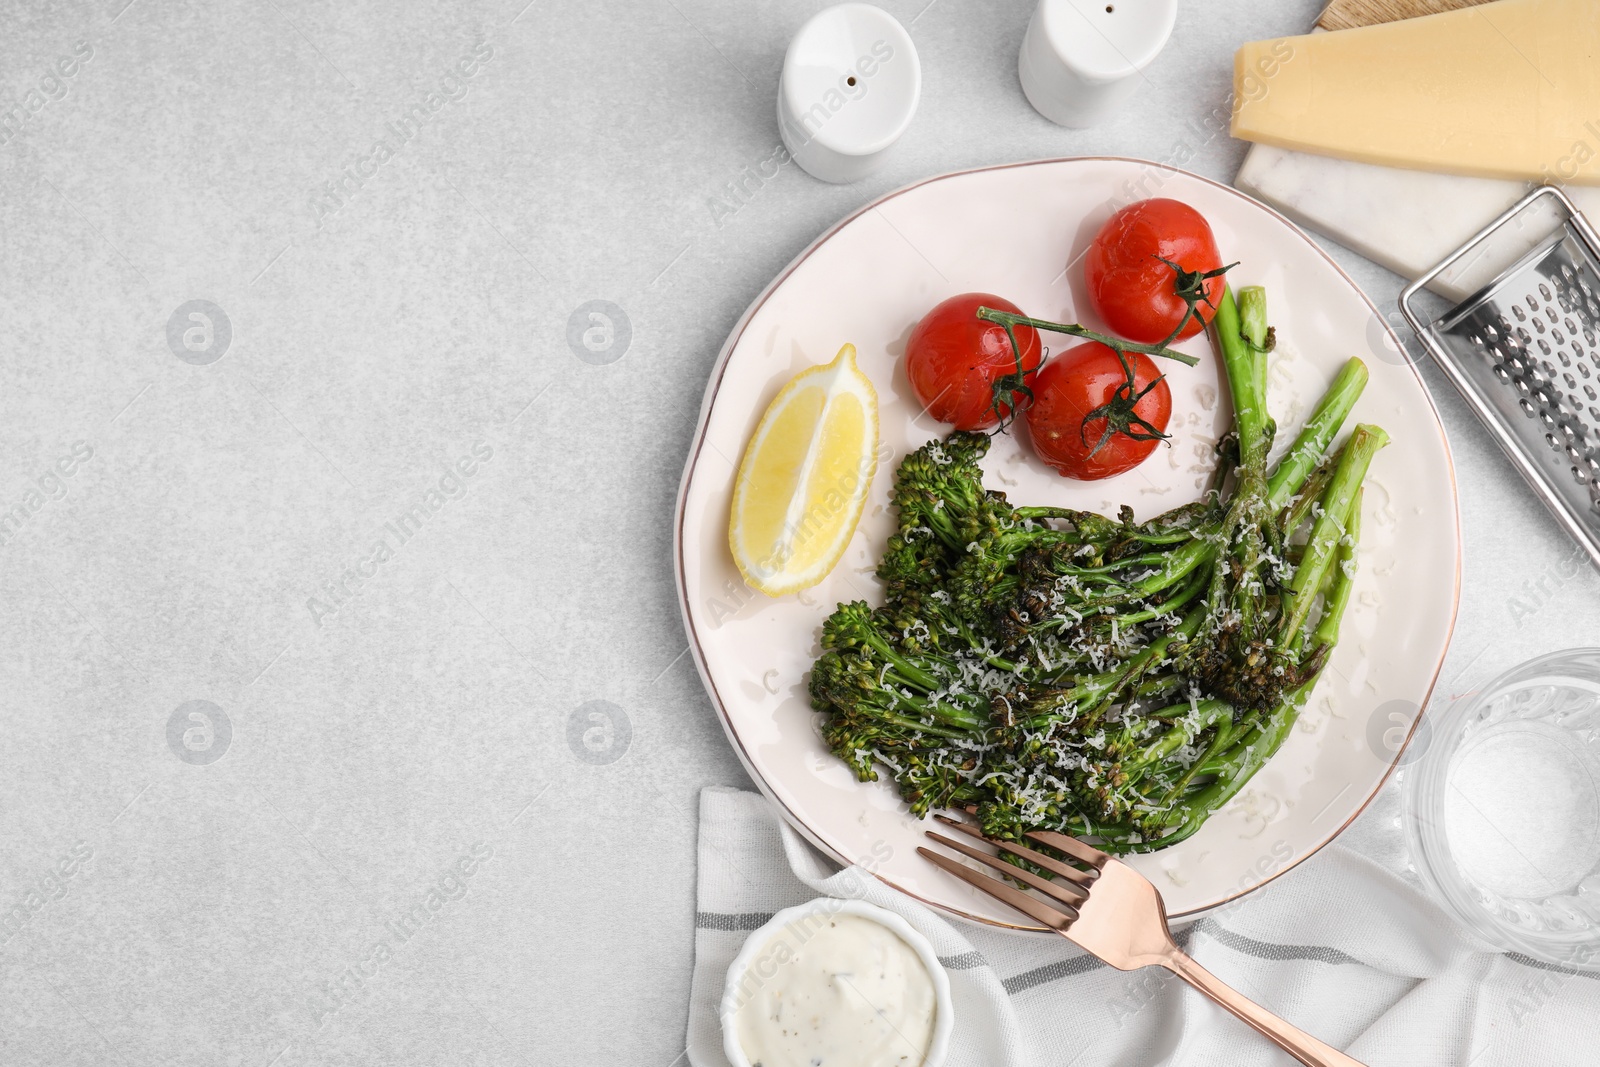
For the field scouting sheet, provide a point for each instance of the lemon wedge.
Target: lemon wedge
(804, 477)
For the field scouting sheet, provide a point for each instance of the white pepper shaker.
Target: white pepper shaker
(1082, 59)
(851, 82)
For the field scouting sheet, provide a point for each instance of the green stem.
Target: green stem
(954, 731)
(1072, 329)
(1184, 594)
(1338, 598)
(1319, 431)
(1135, 668)
(1253, 326)
(1300, 509)
(1245, 383)
(1247, 757)
(1343, 493)
(1219, 742)
(1208, 713)
(903, 666)
(1263, 739)
(1087, 524)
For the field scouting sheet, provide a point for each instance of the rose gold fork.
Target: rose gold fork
(1113, 912)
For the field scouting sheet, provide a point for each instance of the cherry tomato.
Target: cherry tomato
(1086, 378)
(955, 358)
(1132, 290)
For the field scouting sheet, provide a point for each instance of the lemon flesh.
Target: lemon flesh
(804, 477)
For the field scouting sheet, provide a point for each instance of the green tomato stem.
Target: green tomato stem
(1072, 329)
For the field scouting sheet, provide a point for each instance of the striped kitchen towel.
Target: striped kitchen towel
(1346, 946)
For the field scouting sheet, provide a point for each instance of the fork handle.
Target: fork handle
(1293, 1040)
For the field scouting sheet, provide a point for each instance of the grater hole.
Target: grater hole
(1516, 309)
(1490, 331)
(1544, 290)
(1524, 336)
(1505, 375)
(1538, 324)
(1550, 313)
(1571, 326)
(1572, 383)
(1527, 407)
(1557, 336)
(1589, 392)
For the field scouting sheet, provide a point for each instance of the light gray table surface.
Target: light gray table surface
(182, 890)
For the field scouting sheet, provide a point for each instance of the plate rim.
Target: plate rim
(714, 385)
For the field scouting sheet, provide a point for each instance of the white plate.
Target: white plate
(1010, 230)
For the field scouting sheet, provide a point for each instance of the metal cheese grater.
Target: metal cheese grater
(1525, 352)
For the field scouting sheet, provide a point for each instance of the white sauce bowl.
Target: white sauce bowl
(944, 1010)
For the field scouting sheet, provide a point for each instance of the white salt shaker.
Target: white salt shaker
(1081, 59)
(851, 81)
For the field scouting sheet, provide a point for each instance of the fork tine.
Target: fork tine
(1071, 846)
(1049, 863)
(1067, 894)
(1033, 907)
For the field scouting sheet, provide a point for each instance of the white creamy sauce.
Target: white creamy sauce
(836, 991)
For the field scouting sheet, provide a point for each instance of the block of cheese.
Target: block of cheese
(1505, 90)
